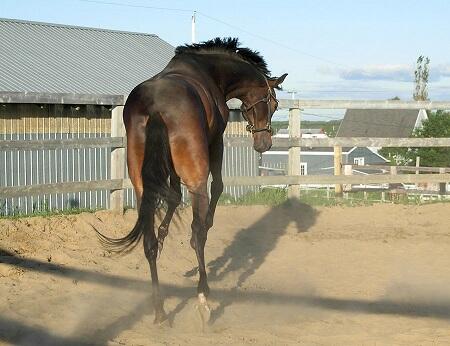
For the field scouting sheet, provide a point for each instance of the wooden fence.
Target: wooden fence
(118, 182)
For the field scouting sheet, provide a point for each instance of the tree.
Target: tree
(421, 75)
(437, 125)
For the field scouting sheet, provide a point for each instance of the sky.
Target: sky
(330, 49)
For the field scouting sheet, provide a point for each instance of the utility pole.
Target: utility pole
(193, 27)
(292, 92)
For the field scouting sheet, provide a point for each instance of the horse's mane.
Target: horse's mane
(227, 45)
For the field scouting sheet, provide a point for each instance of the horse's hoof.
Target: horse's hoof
(203, 311)
(161, 320)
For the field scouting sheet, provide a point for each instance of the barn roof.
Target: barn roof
(51, 58)
(397, 123)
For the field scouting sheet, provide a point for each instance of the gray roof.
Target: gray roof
(378, 123)
(53, 58)
(302, 130)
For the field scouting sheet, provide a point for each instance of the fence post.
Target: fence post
(294, 153)
(417, 169)
(348, 170)
(393, 172)
(338, 169)
(116, 197)
(443, 185)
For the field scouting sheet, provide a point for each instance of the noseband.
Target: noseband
(245, 109)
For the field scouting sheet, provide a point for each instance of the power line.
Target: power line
(218, 21)
(320, 116)
(137, 6)
(352, 91)
(270, 40)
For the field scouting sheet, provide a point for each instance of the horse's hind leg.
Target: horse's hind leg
(215, 165)
(173, 202)
(190, 159)
(199, 198)
(151, 251)
(135, 126)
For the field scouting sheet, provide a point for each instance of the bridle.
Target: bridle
(245, 109)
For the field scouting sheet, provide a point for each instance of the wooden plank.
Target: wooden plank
(118, 158)
(348, 170)
(70, 143)
(294, 163)
(115, 184)
(338, 169)
(443, 185)
(32, 190)
(406, 168)
(331, 179)
(363, 104)
(344, 142)
(352, 104)
(61, 98)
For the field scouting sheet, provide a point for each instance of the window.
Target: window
(358, 161)
(303, 168)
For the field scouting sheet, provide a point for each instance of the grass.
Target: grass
(17, 213)
(265, 196)
(318, 197)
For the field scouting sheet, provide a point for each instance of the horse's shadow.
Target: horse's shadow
(250, 246)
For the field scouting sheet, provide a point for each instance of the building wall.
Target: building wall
(370, 158)
(317, 164)
(30, 167)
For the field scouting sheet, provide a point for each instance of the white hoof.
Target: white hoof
(203, 310)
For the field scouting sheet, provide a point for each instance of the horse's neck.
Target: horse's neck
(228, 74)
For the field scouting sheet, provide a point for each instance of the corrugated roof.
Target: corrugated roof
(378, 123)
(53, 58)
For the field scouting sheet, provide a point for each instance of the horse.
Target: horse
(174, 123)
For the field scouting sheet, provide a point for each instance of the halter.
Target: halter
(245, 109)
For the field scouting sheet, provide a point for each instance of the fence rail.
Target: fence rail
(345, 142)
(354, 104)
(77, 186)
(120, 142)
(69, 143)
(405, 168)
(330, 179)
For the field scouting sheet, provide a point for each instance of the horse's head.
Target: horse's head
(258, 106)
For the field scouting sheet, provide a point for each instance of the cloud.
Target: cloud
(442, 70)
(394, 73)
(400, 73)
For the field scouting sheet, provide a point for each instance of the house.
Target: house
(356, 123)
(384, 123)
(314, 161)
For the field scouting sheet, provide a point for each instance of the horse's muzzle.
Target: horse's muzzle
(262, 141)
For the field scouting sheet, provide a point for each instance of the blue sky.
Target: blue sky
(331, 49)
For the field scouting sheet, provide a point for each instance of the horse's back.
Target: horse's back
(174, 99)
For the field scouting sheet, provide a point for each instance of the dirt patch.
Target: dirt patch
(281, 275)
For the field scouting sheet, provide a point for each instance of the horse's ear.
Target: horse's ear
(276, 81)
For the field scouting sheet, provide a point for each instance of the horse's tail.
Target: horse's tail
(157, 167)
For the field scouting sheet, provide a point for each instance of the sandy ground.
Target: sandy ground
(377, 275)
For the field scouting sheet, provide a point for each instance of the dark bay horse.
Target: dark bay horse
(174, 123)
